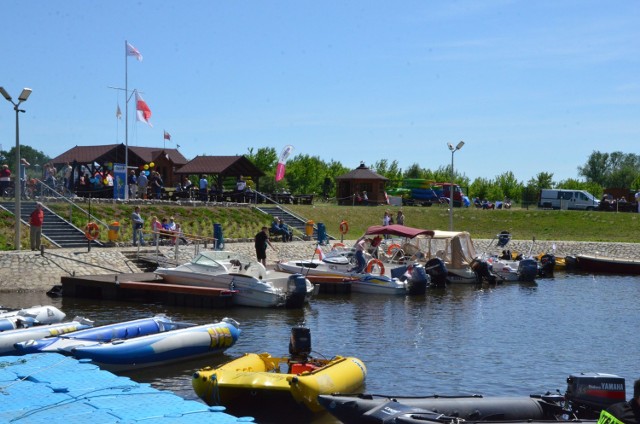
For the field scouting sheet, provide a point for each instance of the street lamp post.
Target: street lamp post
(453, 150)
(26, 92)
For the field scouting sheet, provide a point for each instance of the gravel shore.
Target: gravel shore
(33, 271)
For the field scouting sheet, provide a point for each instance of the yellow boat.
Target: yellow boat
(257, 384)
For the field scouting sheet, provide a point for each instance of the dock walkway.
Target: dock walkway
(52, 388)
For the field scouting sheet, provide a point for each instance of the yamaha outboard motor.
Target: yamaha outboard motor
(437, 270)
(482, 270)
(547, 265)
(589, 393)
(300, 344)
(527, 270)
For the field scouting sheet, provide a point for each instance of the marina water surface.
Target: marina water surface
(513, 339)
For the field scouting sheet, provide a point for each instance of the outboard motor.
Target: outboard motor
(296, 291)
(437, 270)
(503, 238)
(547, 265)
(419, 279)
(483, 271)
(300, 344)
(589, 393)
(527, 270)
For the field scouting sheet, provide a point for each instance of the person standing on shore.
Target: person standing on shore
(137, 222)
(400, 218)
(143, 181)
(261, 241)
(637, 196)
(36, 219)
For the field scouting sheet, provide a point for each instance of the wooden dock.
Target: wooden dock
(144, 287)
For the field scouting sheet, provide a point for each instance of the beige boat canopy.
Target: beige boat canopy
(453, 247)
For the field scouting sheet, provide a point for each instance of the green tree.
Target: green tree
(509, 186)
(265, 159)
(35, 157)
(390, 171)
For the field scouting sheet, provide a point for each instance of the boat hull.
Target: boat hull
(162, 348)
(379, 285)
(255, 378)
(9, 339)
(607, 265)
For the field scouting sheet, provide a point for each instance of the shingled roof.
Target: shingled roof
(115, 153)
(361, 173)
(222, 165)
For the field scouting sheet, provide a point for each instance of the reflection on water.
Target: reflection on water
(513, 339)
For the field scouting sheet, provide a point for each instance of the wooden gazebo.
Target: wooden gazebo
(221, 167)
(353, 185)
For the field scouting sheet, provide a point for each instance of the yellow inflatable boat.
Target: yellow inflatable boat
(260, 383)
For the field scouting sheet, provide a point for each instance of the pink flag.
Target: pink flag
(132, 51)
(280, 168)
(142, 110)
(167, 136)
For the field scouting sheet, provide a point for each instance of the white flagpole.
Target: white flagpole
(126, 124)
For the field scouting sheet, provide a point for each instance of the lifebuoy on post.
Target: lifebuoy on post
(344, 227)
(394, 246)
(371, 264)
(92, 231)
(336, 245)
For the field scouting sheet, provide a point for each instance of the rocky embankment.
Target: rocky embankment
(35, 271)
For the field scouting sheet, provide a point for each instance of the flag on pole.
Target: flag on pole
(118, 112)
(132, 51)
(280, 168)
(143, 112)
(167, 136)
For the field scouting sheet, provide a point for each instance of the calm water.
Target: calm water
(514, 339)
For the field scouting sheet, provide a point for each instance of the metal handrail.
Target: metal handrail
(60, 196)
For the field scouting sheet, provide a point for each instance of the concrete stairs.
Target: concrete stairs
(56, 229)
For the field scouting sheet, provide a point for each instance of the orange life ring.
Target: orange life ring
(373, 262)
(394, 246)
(92, 231)
(344, 227)
(336, 245)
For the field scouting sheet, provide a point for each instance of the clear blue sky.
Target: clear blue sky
(530, 86)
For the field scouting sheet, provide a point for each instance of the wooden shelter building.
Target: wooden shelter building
(353, 185)
(220, 168)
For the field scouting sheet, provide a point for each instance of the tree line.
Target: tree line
(308, 174)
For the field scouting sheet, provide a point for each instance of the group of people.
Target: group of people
(142, 186)
(279, 228)
(167, 229)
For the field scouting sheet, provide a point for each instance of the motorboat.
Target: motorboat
(161, 348)
(586, 396)
(10, 339)
(284, 389)
(511, 267)
(339, 263)
(379, 284)
(26, 317)
(252, 284)
(454, 248)
(64, 342)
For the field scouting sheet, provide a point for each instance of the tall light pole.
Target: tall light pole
(26, 92)
(453, 150)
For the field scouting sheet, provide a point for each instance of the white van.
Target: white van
(567, 199)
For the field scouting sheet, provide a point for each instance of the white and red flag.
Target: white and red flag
(280, 168)
(167, 136)
(132, 51)
(143, 112)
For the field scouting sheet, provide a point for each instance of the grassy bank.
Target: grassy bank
(244, 222)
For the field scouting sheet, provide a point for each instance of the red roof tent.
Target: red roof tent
(398, 230)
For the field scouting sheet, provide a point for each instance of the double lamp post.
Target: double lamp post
(26, 92)
(453, 150)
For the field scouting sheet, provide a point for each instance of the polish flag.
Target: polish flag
(167, 136)
(132, 51)
(143, 112)
(320, 253)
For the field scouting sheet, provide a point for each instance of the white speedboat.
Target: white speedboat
(379, 284)
(252, 284)
(337, 263)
